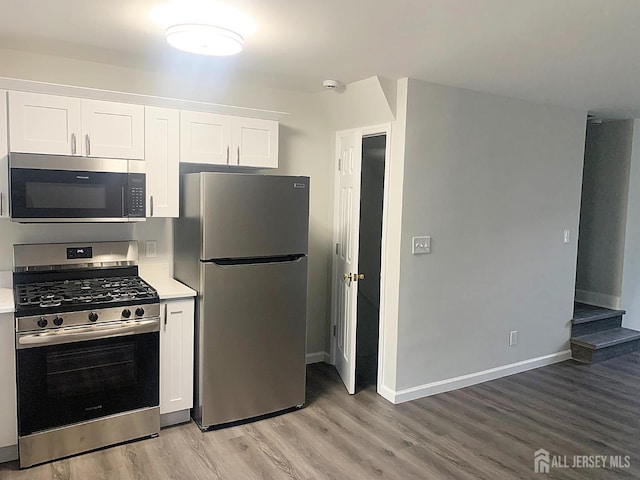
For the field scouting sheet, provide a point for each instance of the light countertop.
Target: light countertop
(6, 300)
(168, 288)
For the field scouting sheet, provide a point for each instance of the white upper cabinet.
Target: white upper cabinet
(112, 130)
(205, 138)
(255, 142)
(53, 124)
(4, 152)
(213, 139)
(162, 156)
(44, 123)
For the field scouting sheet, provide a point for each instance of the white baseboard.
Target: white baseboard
(317, 357)
(8, 454)
(386, 393)
(598, 299)
(174, 418)
(455, 383)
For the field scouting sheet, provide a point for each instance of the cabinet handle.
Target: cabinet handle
(151, 204)
(227, 154)
(88, 142)
(165, 314)
(1, 204)
(73, 143)
(238, 154)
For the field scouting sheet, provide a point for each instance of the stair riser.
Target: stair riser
(587, 355)
(596, 326)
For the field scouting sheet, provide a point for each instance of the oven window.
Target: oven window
(65, 195)
(86, 371)
(63, 384)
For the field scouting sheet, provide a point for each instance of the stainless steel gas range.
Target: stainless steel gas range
(87, 341)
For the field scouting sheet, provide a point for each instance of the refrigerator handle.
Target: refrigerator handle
(230, 262)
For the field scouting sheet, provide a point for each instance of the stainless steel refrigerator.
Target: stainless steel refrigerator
(241, 241)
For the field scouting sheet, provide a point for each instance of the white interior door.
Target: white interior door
(349, 151)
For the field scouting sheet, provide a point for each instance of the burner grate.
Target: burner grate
(86, 291)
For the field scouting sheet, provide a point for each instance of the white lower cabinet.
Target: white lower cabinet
(176, 360)
(8, 412)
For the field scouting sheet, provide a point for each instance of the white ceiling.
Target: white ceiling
(580, 53)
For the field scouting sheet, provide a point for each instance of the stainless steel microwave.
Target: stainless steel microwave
(54, 188)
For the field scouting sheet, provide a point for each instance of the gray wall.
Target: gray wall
(494, 181)
(605, 187)
(630, 300)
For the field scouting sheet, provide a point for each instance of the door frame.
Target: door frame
(374, 130)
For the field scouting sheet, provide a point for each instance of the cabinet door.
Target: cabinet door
(162, 156)
(9, 411)
(4, 152)
(255, 143)
(112, 130)
(176, 356)
(41, 123)
(205, 138)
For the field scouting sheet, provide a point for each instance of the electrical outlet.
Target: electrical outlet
(421, 245)
(513, 338)
(567, 236)
(151, 248)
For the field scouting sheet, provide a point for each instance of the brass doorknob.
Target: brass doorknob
(359, 276)
(347, 276)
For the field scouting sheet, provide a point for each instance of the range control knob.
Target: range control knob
(126, 313)
(57, 321)
(93, 317)
(139, 312)
(42, 322)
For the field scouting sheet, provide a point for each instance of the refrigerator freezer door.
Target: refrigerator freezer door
(247, 216)
(253, 326)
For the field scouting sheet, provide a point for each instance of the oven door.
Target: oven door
(62, 382)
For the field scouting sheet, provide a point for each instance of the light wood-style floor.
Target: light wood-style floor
(488, 431)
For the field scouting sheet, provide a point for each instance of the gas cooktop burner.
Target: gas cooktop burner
(69, 292)
(70, 295)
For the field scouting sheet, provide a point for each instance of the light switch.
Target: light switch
(421, 245)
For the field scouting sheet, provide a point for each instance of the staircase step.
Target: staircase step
(608, 338)
(591, 319)
(599, 346)
(584, 313)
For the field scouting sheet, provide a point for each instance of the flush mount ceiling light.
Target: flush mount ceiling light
(204, 39)
(203, 27)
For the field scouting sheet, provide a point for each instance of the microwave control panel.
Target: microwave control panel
(136, 204)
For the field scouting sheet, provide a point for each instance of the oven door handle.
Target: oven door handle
(91, 332)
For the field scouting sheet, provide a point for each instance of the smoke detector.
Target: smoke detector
(331, 84)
